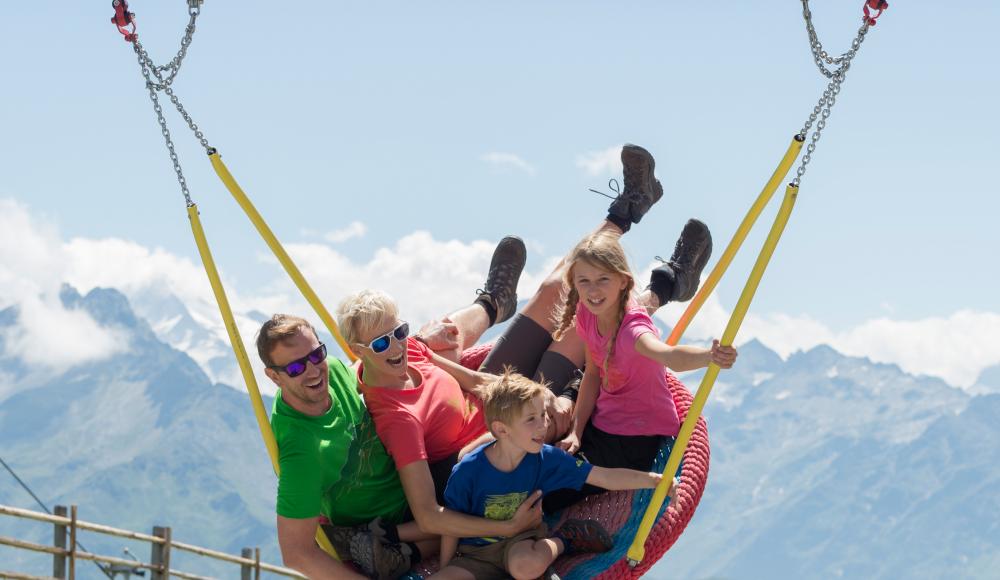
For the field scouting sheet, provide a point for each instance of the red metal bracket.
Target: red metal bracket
(124, 20)
(874, 9)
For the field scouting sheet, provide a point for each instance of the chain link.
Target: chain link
(820, 55)
(821, 112)
(160, 78)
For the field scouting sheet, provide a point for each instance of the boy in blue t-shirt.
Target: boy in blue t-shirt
(496, 478)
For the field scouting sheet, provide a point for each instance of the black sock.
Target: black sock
(415, 556)
(622, 224)
(487, 304)
(661, 283)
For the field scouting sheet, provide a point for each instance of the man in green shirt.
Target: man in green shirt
(332, 464)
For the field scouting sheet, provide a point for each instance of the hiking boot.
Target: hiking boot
(340, 537)
(499, 296)
(678, 278)
(377, 560)
(584, 537)
(642, 189)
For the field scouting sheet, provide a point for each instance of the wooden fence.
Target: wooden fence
(65, 554)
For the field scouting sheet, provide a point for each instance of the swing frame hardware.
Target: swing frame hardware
(124, 20)
(819, 116)
(873, 9)
(160, 78)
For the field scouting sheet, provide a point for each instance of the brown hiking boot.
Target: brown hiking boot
(377, 560)
(678, 278)
(584, 537)
(500, 290)
(642, 189)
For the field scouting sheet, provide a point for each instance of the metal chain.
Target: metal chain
(151, 70)
(821, 112)
(820, 55)
(174, 66)
(166, 137)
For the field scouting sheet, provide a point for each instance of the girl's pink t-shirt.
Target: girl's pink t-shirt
(635, 399)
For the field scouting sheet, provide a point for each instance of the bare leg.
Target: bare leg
(549, 294)
(530, 558)
(452, 573)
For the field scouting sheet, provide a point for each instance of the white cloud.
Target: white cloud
(49, 335)
(507, 160)
(353, 230)
(604, 162)
(429, 277)
(33, 266)
(955, 348)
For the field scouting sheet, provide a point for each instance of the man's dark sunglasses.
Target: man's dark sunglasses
(298, 366)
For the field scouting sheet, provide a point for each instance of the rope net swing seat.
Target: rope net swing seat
(642, 527)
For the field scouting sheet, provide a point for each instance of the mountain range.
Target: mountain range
(823, 465)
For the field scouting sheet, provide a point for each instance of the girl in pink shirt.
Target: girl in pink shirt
(624, 409)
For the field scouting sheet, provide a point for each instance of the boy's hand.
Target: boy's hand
(570, 444)
(528, 515)
(724, 356)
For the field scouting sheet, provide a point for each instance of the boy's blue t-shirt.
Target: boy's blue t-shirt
(477, 488)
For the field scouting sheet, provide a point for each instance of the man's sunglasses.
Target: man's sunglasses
(381, 344)
(298, 366)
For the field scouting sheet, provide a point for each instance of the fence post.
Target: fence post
(72, 542)
(59, 541)
(246, 569)
(257, 564)
(161, 555)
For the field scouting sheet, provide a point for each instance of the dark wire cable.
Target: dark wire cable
(47, 510)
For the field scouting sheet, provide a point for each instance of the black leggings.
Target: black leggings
(523, 347)
(606, 450)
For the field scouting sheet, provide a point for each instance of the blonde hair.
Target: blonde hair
(279, 328)
(601, 250)
(359, 313)
(505, 397)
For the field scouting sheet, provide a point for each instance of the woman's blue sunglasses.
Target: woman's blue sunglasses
(381, 344)
(298, 366)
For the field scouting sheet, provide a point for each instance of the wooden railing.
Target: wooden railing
(65, 552)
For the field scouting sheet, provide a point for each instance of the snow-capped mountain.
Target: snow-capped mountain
(823, 465)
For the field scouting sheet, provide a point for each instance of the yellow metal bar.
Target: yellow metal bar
(734, 245)
(637, 551)
(241, 354)
(279, 252)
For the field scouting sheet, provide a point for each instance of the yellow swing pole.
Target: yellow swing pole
(241, 355)
(737, 241)
(279, 252)
(637, 550)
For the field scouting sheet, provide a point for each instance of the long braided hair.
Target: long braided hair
(600, 250)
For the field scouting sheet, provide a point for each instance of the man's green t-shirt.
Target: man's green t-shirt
(335, 465)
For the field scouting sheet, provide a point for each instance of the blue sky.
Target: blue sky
(471, 120)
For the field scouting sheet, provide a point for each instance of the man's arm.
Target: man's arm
(297, 539)
(435, 519)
